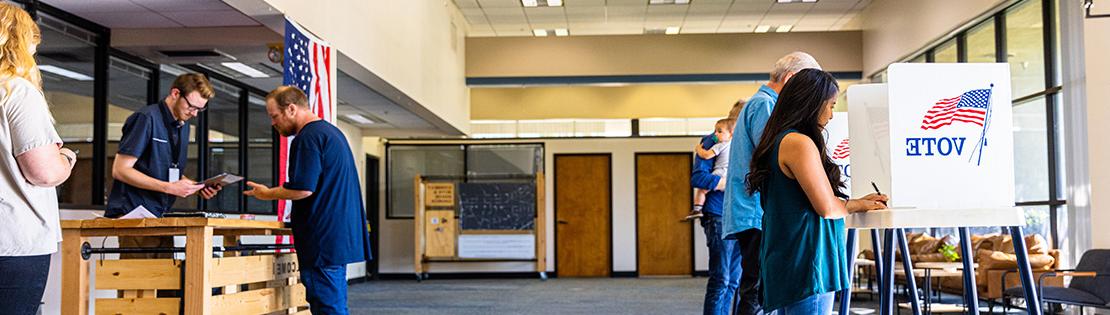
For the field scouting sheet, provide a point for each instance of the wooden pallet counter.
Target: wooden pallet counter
(254, 284)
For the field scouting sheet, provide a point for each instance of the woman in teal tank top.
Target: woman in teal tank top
(803, 250)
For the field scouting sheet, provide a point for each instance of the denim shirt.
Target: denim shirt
(742, 210)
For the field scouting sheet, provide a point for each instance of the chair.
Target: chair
(1090, 284)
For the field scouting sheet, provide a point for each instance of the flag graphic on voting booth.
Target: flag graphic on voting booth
(309, 64)
(937, 136)
(837, 146)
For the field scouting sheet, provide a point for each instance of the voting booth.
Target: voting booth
(938, 138)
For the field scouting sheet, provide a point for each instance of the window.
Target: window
(260, 147)
(1025, 48)
(1038, 186)
(127, 93)
(406, 162)
(946, 53)
(980, 42)
(470, 162)
(223, 145)
(66, 59)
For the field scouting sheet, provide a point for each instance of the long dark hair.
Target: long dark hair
(800, 105)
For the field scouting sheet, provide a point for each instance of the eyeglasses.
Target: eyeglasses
(191, 106)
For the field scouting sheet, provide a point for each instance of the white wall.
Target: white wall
(892, 29)
(415, 45)
(396, 252)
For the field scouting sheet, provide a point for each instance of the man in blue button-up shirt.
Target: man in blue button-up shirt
(743, 215)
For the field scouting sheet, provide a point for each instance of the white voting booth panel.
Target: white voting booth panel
(837, 145)
(939, 139)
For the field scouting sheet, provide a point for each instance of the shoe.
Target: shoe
(696, 214)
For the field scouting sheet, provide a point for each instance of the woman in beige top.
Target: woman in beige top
(32, 163)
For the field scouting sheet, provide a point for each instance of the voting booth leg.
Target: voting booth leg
(877, 257)
(850, 251)
(907, 265)
(1032, 301)
(887, 301)
(971, 293)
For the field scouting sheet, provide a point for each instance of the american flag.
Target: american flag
(310, 67)
(970, 107)
(841, 152)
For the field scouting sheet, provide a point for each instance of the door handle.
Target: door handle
(561, 221)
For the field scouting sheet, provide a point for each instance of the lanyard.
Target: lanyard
(175, 145)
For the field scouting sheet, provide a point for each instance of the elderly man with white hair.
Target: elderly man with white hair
(743, 216)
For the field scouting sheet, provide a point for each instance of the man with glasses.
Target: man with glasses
(152, 155)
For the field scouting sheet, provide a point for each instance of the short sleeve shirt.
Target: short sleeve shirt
(28, 214)
(329, 226)
(160, 142)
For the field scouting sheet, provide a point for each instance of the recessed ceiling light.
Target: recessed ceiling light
(561, 32)
(529, 3)
(539, 32)
(762, 28)
(795, 1)
(554, 3)
(671, 30)
(245, 69)
(65, 73)
(784, 28)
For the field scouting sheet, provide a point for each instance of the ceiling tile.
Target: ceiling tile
(104, 6)
(467, 4)
(583, 3)
(500, 4)
(499, 16)
(182, 5)
(210, 18)
(130, 20)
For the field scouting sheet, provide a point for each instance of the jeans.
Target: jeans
(326, 289)
(820, 304)
(22, 283)
(749, 298)
(724, 268)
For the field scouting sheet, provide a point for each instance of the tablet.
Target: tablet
(223, 179)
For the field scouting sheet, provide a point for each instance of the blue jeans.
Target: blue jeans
(724, 267)
(326, 289)
(22, 283)
(820, 304)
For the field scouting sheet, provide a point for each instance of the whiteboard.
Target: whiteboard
(497, 246)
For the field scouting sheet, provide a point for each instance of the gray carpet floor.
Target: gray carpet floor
(682, 295)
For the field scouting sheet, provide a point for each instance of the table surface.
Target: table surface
(104, 223)
(936, 218)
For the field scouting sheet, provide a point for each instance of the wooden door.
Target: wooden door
(664, 244)
(583, 212)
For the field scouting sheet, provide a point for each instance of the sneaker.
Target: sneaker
(695, 214)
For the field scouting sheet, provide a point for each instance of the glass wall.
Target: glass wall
(66, 59)
(93, 89)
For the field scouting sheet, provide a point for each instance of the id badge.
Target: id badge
(175, 174)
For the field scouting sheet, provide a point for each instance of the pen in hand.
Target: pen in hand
(876, 187)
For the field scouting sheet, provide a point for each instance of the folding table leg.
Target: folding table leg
(1032, 301)
(971, 293)
(850, 250)
(911, 283)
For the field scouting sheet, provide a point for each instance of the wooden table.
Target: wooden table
(269, 279)
(893, 223)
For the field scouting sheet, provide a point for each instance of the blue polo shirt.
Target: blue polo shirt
(329, 227)
(742, 210)
(150, 135)
(702, 177)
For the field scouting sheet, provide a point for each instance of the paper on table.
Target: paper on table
(139, 212)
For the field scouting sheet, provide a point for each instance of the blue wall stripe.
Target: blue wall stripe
(653, 78)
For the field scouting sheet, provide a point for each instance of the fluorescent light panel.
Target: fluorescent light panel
(784, 28)
(561, 32)
(671, 30)
(245, 70)
(554, 3)
(539, 32)
(529, 3)
(359, 119)
(668, 1)
(65, 73)
(762, 28)
(539, 3)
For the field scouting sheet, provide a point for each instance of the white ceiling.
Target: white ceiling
(155, 13)
(489, 18)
